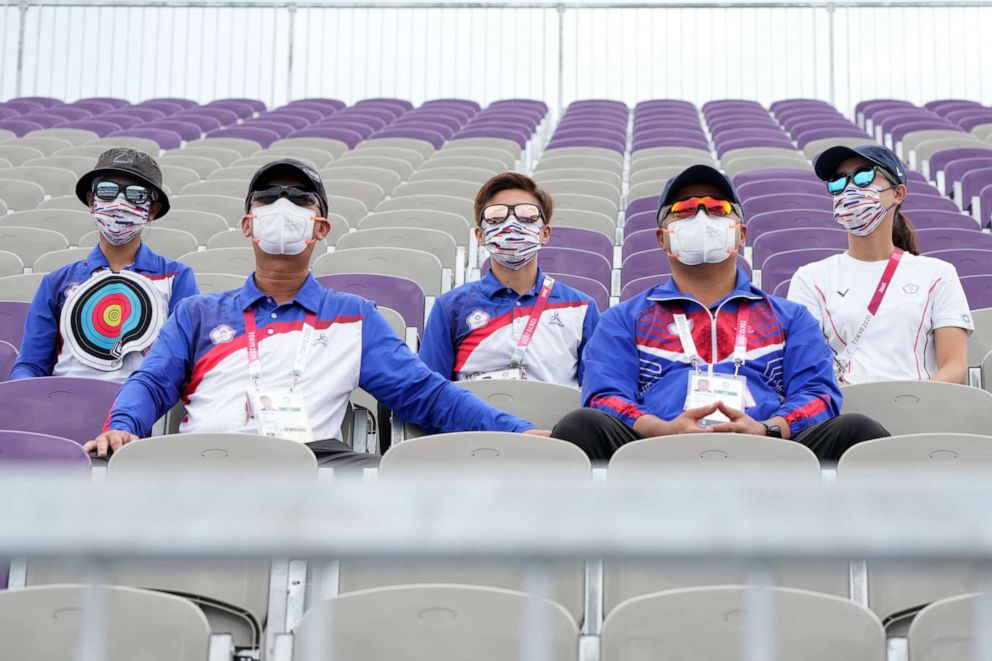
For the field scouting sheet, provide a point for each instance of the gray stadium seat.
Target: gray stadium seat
(711, 623)
(422, 147)
(240, 145)
(91, 152)
(450, 187)
(313, 155)
(16, 153)
(55, 259)
(602, 189)
(75, 136)
(236, 261)
(469, 174)
(201, 224)
(212, 283)
(349, 208)
(29, 243)
(947, 630)
(457, 205)
(421, 267)
(78, 165)
(366, 192)
(231, 209)
(440, 244)
(395, 321)
(202, 164)
(45, 623)
(174, 177)
(584, 219)
(436, 622)
(509, 146)
(220, 155)
(385, 179)
(233, 596)
(20, 287)
(234, 238)
(150, 147)
(333, 147)
(486, 155)
(980, 342)
(239, 172)
(760, 162)
(909, 407)
(490, 164)
(47, 146)
(601, 205)
(366, 156)
(10, 264)
(227, 187)
(164, 241)
(21, 194)
(70, 202)
(454, 225)
(72, 224)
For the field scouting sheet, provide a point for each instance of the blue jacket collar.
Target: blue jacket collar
(491, 285)
(670, 292)
(309, 297)
(144, 260)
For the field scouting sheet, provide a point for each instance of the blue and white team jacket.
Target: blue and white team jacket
(635, 363)
(475, 328)
(42, 352)
(201, 356)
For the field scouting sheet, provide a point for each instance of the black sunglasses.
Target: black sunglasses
(526, 213)
(296, 195)
(861, 178)
(135, 194)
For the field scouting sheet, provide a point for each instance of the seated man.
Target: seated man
(767, 368)
(516, 322)
(96, 318)
(281, 356)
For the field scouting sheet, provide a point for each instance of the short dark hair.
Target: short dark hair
(513, 181)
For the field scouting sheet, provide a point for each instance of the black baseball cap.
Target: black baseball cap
(130, 162)
(292, 167)
(697, 174)
(826, 164)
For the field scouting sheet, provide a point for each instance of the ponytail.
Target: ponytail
(903, 234)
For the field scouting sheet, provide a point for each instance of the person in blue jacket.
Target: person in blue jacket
(281, 355)
(480, 330)
(766, 367)
(95, 318)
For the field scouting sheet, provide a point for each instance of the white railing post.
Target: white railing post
(22, 22)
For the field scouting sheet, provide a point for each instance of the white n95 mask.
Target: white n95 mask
(703, 238)
(283, 228)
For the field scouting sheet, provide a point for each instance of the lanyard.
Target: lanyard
(740, 341)
(535, 316)
(302, 351)
(845, 357)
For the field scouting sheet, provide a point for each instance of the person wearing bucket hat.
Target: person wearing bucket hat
(281, 355)
(96, 317)
(887, 312)
(766, 365)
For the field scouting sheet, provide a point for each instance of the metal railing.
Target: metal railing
(697, 50)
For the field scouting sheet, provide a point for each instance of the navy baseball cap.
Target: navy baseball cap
(698, 174)
(311, 178)
(826, 164)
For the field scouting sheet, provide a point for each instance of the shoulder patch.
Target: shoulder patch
(222, 334)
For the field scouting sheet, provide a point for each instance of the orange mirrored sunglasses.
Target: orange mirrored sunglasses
(688, 207)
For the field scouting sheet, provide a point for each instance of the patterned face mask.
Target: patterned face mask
(859, 209)
(512, 243)
(118, 220)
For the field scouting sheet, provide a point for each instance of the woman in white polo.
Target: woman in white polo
(888, 313)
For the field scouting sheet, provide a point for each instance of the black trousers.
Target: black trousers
(600, 434)
(332, 452)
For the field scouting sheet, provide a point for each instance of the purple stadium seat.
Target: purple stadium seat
(582, 239)
(639, 241)
(122, 121)
(70, 113)
(748, 143)
(688, 124)
(186, 130)
(800, 121)
(23, 106)
(651, 143)
(45, 101)
(291, 119)
(985, 206)
(591, 132)
(765, 203)
(781, 187)
(934, 239)
(915, 202)
(972, 184)
(263, 137)
(282, 129)
(652, 265)
(254, 104)
(401, 294)
(670, 133)
(332, 104)
(12, 315)
(346, 136)
(145, 114)
(46, 120)
(403, 124)
(569, 260)
(967, 261)
(772, 174)
(6, 113)
(978, 291)
(98, 105)
(165, 139)
(185, 104)
(223, 115)
(899, 129)
(61, 406)
(643, 204)
(100, 127)
(307, 113)
(780, 266)
(204, 122)
(969, 122)
(400, 104)
(588, 286)
(798, 238)
(943, 106)
(467, 104)
(956, 169)
(927, 219)
(773, 221)
(644, 220)
(809, 135)
(520, 136)
(635, 287)
(168, 107)
(733, 132)
(20, 126)
(347, 119)
(8, 356)
(20, 448)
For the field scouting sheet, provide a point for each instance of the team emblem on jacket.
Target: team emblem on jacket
(222, 334)
(477, 319)
(555, 320)
(910, 288)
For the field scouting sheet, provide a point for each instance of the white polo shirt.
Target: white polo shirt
(925, 294)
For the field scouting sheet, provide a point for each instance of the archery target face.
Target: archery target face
(109, 316)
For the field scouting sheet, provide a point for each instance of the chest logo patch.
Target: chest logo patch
(476, 319)
(910, 288)
(555, 320)
(222, 334)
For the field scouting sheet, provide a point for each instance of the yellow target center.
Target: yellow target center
(112, 315)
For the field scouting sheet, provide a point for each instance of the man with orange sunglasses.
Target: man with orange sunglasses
(768, 370)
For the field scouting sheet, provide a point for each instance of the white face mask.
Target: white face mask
(859, 210)
(118, 220)
(512, 243)
(283, 228)
(703, 238)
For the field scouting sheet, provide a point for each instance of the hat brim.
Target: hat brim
(826, 164)
(85, 184)
(286, 166)
(698, 174)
